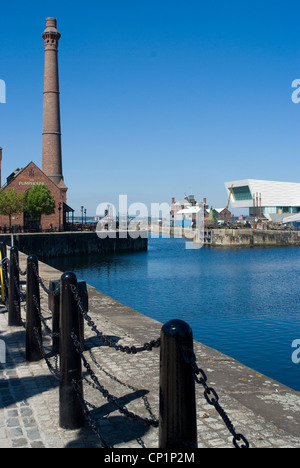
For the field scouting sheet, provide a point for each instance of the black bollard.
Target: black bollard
(177, 421)
(33, 320)
(14, 309)
(54, 305)
(3, 251)
(71, 410)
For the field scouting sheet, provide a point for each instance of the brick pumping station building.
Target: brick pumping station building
(51, 173)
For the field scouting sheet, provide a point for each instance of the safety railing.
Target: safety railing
(68, 303)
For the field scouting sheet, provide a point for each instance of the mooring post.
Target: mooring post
(71, 410)
(177, 419)
(33, 319)
(54, 306)
(14, 309)
(3, 250)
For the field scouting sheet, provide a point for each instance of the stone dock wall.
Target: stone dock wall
(73, 243)
(235, 237)
(253, 237)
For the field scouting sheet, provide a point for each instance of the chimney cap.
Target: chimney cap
(51, 22)
(51, 26)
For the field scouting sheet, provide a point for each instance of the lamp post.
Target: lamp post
(81, 209)
(59, 214)
(85, 216)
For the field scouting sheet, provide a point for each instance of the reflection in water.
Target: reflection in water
(243, 302)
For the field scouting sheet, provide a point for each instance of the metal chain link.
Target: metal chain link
(110, 398)
(17, 302)
(5, 260)
(22, 273)
(95, 408)
(125, 349)
(43, 320)
(54, 370)
(5, 276)
(212, 398)
(44, 287)
(130, 387)
(20, 293)
(88, 416)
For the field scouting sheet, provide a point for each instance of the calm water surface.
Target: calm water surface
(242, 302)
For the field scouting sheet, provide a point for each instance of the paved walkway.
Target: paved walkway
(267, 413)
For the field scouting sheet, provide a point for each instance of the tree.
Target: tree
(11, 203)
(38, 201)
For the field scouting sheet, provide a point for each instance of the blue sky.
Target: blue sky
(159, 98)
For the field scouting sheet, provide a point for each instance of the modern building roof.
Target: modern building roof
(272, 193)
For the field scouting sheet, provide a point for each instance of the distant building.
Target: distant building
(268, 199)
(187, 216)
(223, 214)
(23, 180)
(184, 212)
(178, 205)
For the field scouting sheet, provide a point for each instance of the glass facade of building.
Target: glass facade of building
(275, 210)
(241, 193)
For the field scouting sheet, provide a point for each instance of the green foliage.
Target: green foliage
(39, 201)
(11, 203)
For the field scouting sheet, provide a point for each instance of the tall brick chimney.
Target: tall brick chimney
(51, 153)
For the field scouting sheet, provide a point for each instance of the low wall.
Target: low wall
(235, 237)
(70, 243)
(254, 237)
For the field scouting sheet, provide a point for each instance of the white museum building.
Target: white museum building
(276, 201)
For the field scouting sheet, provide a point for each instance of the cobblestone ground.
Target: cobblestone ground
(29, 393)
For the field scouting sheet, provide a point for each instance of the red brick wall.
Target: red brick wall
(29, 177)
